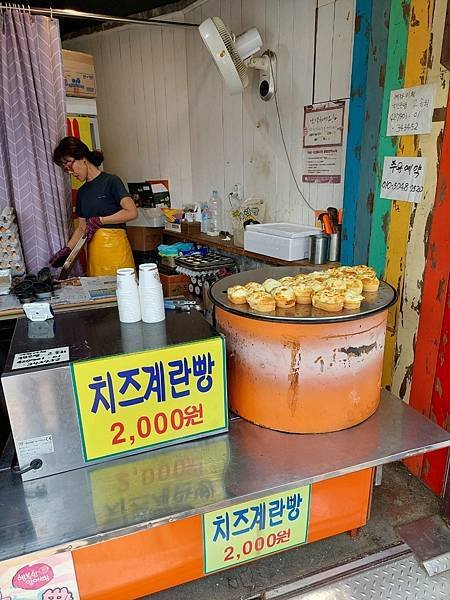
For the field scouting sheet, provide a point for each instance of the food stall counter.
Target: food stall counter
(161, 506)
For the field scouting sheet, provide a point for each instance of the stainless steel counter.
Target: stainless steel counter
(105, 500)
(40, 397)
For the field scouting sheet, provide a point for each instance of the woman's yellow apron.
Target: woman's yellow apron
(108, 251)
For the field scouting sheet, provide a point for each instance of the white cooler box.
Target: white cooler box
(286, 241)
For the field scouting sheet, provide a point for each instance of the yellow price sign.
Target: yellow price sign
(151, 399)
(246, 531)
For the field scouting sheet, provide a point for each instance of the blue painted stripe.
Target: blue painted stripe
(376, 74)
(357, 109)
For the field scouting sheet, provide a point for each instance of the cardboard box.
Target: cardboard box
(174, 285)
(173, 227)
(79, 74)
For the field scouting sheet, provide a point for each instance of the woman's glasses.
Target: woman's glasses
(67, 165)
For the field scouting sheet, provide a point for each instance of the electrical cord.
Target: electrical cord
(284, 141)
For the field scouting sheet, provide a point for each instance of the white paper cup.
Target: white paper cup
(125, 278)
(128, 304)
(152, 303)
(148, 274)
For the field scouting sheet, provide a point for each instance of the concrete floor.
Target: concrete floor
(401, 498)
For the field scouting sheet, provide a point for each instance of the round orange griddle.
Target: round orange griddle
(303, 370)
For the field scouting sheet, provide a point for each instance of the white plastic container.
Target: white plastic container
(148, 217)
(286, 241)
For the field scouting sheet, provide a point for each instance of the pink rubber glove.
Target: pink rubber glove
(58, 259)
(92, 224)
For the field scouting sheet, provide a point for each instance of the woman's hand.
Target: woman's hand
(92, 224)
(58, 259)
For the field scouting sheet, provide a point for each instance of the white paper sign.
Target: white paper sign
(32, 448)
(24, 360)
(323, 126)
(403, 178)
(322, 165)
(411, 110)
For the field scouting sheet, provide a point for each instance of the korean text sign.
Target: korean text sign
(411, 110)
(403, 178)
(152, 398)
(243, 532)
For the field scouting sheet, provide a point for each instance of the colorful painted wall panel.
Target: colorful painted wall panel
(435, 463)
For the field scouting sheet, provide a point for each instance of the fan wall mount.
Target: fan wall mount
(235, 55)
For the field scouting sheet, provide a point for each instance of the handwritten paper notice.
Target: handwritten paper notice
(411, 110)
(403, 178)
(322, 139)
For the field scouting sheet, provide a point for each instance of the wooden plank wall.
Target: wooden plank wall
(237, 139)
(165, 113)
(414, 227)
(409, 244)
(434, 303)
(387, 146)
(355, 133)
(142, 103)
(368, 88)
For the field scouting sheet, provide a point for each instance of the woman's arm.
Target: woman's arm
(128, 212)
(78, 233)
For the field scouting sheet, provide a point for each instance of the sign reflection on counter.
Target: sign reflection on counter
(145, 487)
(246, 531)
(152, 398)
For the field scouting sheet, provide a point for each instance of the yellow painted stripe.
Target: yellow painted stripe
(416, 71)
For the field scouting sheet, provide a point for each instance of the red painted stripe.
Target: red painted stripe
(76, 128)
(435, 463)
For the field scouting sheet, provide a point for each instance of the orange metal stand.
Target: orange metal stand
(142, 563)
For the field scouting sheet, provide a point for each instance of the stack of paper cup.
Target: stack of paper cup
(151, 294)
(127, 293)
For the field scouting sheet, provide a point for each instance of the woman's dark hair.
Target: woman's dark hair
(72, 147)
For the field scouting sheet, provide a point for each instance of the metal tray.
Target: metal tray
(210, 262)
(373, 303)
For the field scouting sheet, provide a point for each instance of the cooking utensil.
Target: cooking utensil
(70, 260)
(324, 218)
(334, 217)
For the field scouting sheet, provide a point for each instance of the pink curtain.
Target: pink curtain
(32, 121)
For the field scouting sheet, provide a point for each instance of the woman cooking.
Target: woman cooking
(103, 207)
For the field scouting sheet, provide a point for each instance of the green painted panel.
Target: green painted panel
(395, 76)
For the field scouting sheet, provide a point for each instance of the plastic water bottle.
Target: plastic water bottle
(204, 214)
(214, 214)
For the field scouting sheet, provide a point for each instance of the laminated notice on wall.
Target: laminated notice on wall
(403, 178)
(411, 110)
(322, 140)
